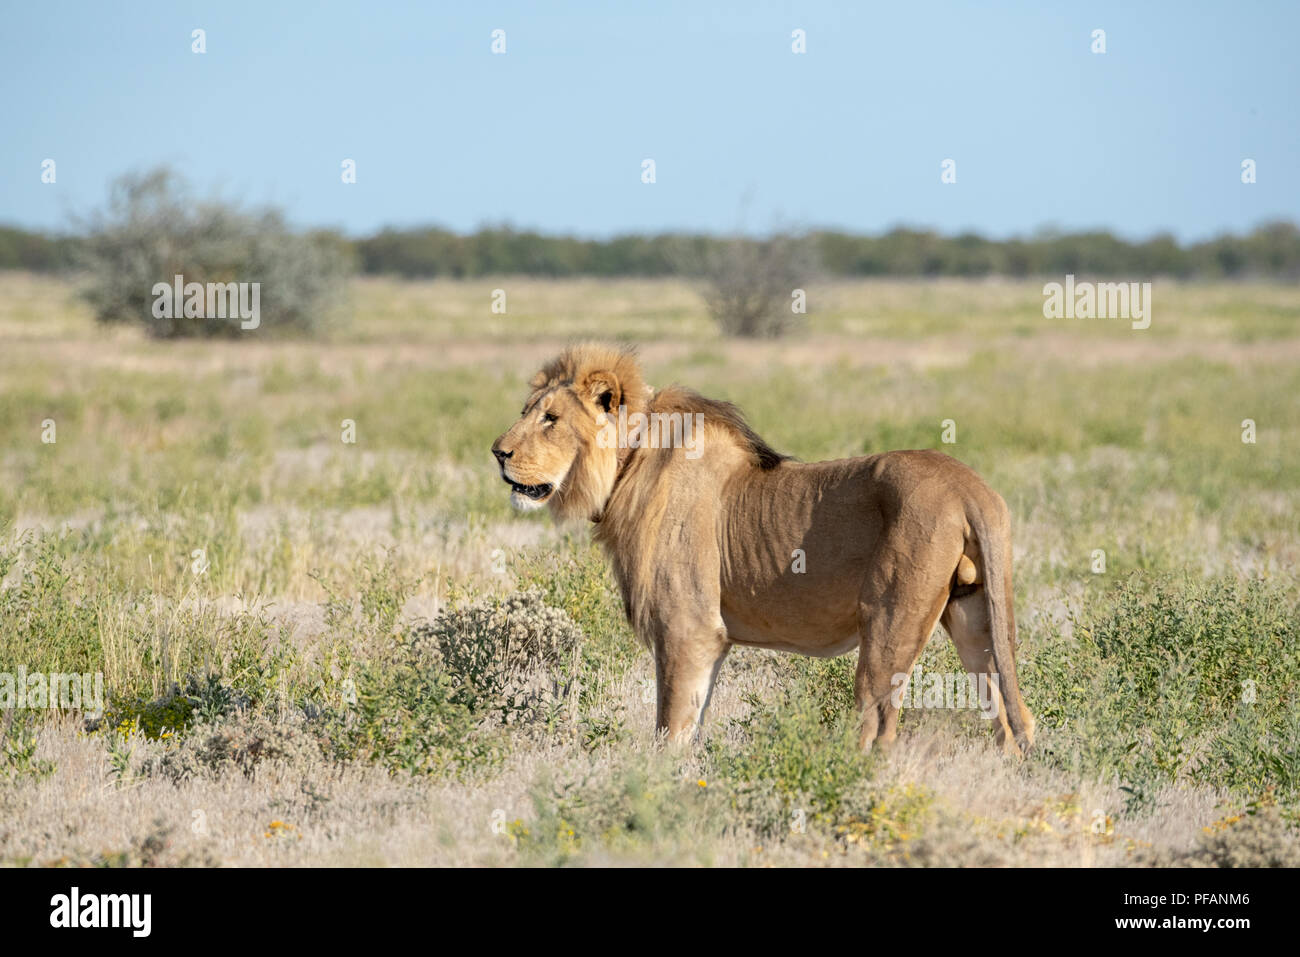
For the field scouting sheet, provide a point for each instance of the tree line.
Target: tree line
(1269, 251)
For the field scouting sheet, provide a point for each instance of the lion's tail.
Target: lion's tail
(994, 546)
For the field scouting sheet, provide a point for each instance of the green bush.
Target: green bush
(797, 756)
(1156, 686)
(153, 230)
(575, 577)
(204, 700)
(640, 807)
(405, 718)
(433, 702)
(18, 747)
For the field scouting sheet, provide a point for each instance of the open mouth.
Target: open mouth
(536, 492)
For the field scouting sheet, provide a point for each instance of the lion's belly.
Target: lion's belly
(817, 645)
(812, 615)
(792, 580)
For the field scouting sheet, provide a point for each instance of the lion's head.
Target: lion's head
(551, 456)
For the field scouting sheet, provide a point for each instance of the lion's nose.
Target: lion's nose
(501, 454)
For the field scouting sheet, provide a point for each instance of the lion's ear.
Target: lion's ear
(602, 388)
(537, 381)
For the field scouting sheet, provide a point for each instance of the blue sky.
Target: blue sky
(1147, 137)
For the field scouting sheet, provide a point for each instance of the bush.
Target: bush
(798, 757)
(432, 703)
(750, 283)
(515, 660)
(153, 230)
(243, 741)
(1175, 680)
(18, 747)
(639, 808)
(204, 700)
(405, 718)
(1260, 837)
(575, 577)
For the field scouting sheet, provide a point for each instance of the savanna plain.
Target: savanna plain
(327, 652)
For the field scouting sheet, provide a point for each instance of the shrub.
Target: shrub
(204, 700)
(515, 660)
(749, 283)
(640, 808)
(18, 747)
(244, 741)
(431, 703)
(798, 757)
(575, 577)
(153, 230)
(1175, 679)
(1260, 837)
(405, 718)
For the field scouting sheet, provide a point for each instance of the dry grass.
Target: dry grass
(1098, 436)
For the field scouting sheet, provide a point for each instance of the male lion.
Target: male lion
(702, 538)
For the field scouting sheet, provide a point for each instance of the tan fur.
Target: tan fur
(732, 543)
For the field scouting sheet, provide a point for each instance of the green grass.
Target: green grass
(320, 559)
(1173, 680)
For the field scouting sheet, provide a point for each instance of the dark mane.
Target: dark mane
(678, 399)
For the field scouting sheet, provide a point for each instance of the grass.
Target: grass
(299, 631)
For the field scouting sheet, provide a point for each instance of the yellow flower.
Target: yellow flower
(702, 783)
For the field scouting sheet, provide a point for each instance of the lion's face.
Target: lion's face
(551, 456)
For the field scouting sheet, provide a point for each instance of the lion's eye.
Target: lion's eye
(550, 418)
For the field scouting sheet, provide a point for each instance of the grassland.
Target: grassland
(279, 706)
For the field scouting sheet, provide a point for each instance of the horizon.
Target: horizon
(1041, 233)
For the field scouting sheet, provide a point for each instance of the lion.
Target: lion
(716, 539)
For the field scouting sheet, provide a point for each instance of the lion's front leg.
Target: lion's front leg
(687, 660)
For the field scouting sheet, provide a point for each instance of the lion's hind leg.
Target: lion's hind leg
(894, 631)
(967, 620)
